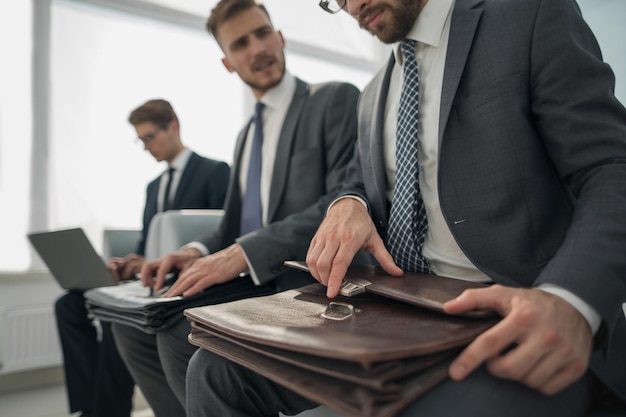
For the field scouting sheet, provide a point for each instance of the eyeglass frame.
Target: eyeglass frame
(325, 5)
(151, 136)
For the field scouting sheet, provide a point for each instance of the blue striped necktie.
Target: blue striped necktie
(251, 211)
(407, 220)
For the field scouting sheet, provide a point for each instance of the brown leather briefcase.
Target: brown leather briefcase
(364, 355)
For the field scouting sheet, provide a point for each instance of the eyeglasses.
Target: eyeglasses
(332, 6)
(150, 136)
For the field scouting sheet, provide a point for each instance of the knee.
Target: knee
(70, 304)
(197, 363)
(204, 367)
(118, 333)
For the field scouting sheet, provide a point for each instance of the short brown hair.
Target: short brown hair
(158, 111)
(227, 9)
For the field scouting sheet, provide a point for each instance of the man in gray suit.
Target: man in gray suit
(309, 133)
(518, 168)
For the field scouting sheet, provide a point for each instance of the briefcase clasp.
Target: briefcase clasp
(353, 286)
(338, 310)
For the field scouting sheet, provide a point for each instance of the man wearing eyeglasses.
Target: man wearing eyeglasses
(98, 383)
(497, 121)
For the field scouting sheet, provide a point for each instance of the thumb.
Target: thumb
(384, 258)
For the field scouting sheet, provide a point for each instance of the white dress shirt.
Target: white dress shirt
(179, 163)
(277, 102)
(431, 31)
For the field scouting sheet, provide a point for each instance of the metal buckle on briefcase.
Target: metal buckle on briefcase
(353, 286)
(337, 310)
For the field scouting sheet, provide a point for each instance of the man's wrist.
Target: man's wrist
(590, 315)
(344, 197)
(197, 246)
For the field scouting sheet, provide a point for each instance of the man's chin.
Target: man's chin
(383, 35)
(267, 84)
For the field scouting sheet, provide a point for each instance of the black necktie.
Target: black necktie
(168, 188)
(251, 210)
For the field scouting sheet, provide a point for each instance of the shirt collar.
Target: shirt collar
(181, 160)
(279, 97)
(429, 25)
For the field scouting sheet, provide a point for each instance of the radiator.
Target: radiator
(29, 338)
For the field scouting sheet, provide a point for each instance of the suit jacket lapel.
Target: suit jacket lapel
(374, 131)
(285, 144)
(232, 207)
(465, 18)
(186, 178)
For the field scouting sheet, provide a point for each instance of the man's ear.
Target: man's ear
(282, 38)
(173, 124)
(227, 65)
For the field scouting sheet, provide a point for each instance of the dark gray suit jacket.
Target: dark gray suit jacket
(202, 185)
(532, 157)
(316, 142)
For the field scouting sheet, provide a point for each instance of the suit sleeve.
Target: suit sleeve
(224, 235)
(268, 248)
(583, 127)
(218, 184)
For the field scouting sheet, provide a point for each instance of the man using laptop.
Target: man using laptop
(98, 383)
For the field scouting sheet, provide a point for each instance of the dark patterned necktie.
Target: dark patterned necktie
(251, 211)
(407, 221)
(168, 188)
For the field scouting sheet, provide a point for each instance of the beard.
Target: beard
(403, 16)
(263, 85)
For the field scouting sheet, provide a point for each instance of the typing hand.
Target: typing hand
(125, 268)
(346, 229)
(213, 269)
(153, 273)
(542, 341)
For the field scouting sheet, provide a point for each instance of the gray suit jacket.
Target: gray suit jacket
(532, 157)
(316, 142)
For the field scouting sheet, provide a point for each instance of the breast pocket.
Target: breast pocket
(492, 94)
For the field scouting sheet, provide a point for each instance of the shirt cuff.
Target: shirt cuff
(198, 246)
(589, 313)
(250, 271)
(354, 197)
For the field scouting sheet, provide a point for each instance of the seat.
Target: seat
(119, 242)
(172, 229)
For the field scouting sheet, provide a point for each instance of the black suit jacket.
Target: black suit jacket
(315, 144)
(532, 157)
(202, 185)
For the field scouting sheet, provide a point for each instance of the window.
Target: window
(15, 132)
(86, 168)
(104, 63)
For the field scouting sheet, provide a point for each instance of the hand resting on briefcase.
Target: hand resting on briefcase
(367, 355)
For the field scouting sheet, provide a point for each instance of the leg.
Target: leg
(175, 352)
(140, 353)
(114, 385)
(483, 395)
(79, 342)
(218, 387)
